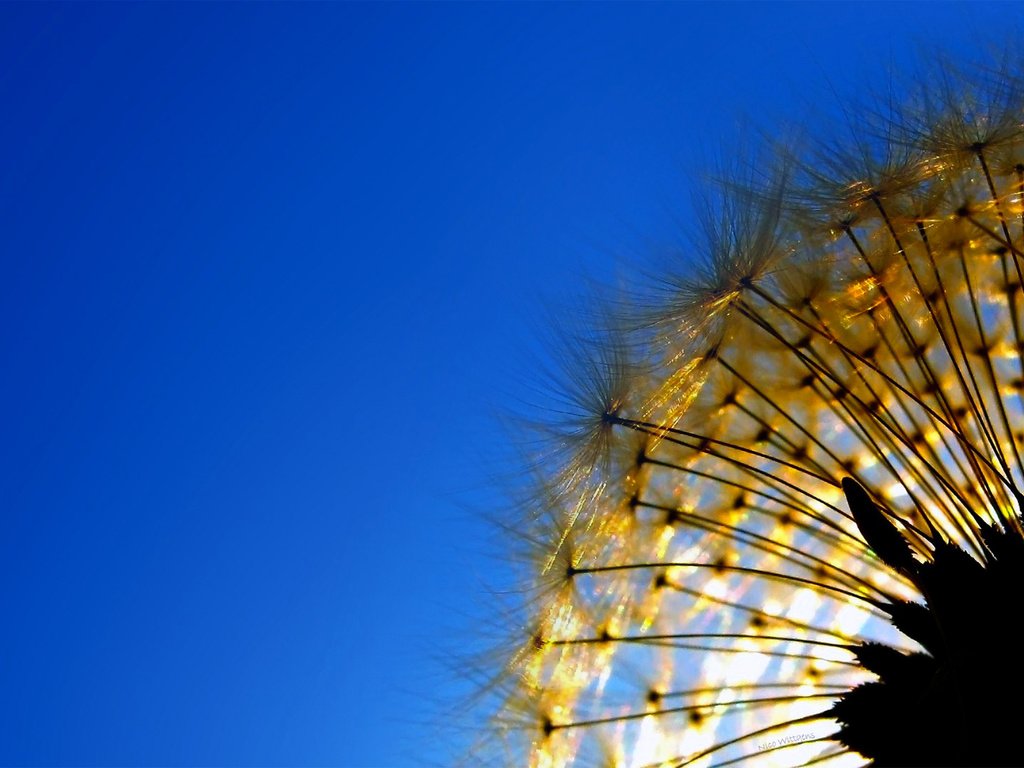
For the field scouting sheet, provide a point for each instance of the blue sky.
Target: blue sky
(269, 271)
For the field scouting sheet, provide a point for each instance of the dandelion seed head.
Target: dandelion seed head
(751, 536)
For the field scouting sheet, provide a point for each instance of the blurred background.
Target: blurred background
(270, 274)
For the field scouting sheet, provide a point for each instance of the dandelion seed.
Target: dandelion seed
(797, 539)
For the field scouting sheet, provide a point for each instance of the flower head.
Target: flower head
(808, 547)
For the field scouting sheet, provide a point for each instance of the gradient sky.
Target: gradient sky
(269, 271)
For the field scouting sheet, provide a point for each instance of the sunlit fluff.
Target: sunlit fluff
(701, 586)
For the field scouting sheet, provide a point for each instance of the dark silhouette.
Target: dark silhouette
(948, 705)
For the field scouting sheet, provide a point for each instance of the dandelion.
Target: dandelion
(785, 529)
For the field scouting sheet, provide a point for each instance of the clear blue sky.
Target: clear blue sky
(267, 273)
